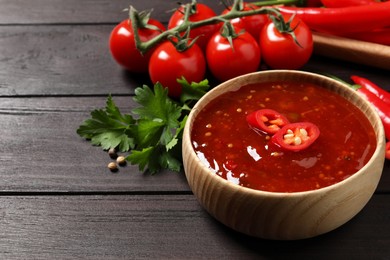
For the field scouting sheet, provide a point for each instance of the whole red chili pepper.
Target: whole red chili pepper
(381, 107)
(346, 3)
(367, 85)
(343, 19)
(387, 154)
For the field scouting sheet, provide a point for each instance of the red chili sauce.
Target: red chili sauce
(225, 142)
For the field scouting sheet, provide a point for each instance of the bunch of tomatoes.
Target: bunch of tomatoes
(224, 51)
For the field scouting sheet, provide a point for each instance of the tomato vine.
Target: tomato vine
(187, 25)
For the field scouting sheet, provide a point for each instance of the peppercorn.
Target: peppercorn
(112, 166)
(112, 153)
(121, 160)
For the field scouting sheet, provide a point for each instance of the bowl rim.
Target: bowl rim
(379, 150)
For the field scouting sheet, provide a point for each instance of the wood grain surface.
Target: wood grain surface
(162, 227)
(58, 200)
(372, 54)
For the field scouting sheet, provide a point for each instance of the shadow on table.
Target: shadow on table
(348, 241)
(134, 80)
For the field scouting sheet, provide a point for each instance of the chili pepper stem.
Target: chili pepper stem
(144, 47)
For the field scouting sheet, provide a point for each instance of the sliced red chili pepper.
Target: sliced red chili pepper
(296, 136)
(387, 154)
(367, 85)
(267, 120)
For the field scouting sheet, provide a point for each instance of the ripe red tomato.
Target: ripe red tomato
(122, 45)
(252, 24)
(204, 32)
(280, 51)
(167, 64)
(226, 62)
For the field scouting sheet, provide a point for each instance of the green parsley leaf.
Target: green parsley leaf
(147, 132)
(145, 158)
(152, 133)
(169, 161)
(178, 135)
(194, 91)
(112, 139)
(154, 158)
(157, 127)
(156, 105)
(108, 128)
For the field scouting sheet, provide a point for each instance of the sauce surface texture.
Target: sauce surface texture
(226, 144)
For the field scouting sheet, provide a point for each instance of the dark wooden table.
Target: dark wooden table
(57, 198)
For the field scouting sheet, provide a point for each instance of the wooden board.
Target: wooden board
(366, 53)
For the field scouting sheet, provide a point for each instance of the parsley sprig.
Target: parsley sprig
(152, 132)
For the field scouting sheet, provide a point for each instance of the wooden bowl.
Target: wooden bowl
(277, 215)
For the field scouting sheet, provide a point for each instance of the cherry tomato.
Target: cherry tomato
(296, 136)
(201, 12)
(267, 120)
(280, 51)
(226, 61)
(167, 64)
(122, 45)
(253, 23)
